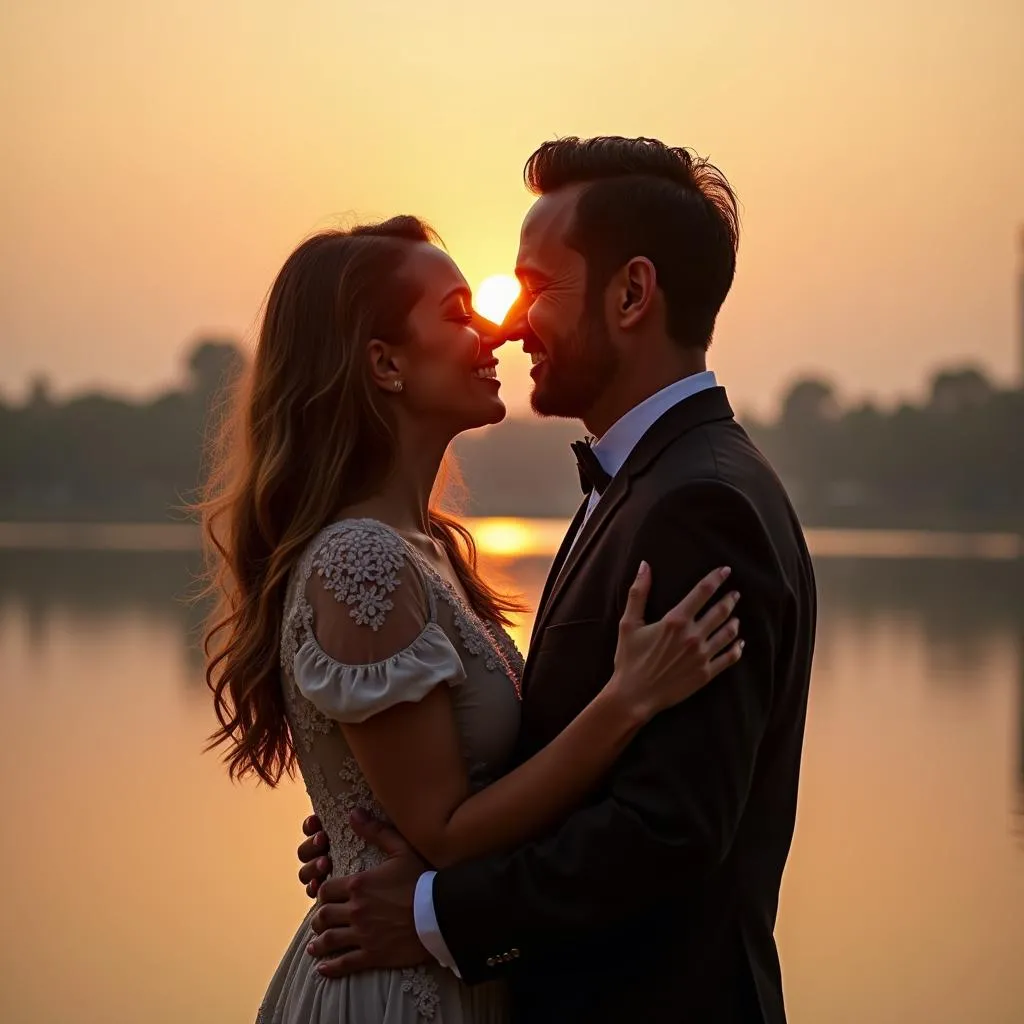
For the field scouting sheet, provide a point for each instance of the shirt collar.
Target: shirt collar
(614, 446)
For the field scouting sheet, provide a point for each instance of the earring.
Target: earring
(399, 385)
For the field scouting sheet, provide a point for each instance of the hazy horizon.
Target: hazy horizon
(160, 164)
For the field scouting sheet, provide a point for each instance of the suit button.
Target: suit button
(490, 961)
(515, 954)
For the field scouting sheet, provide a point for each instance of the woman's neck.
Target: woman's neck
(403, 499)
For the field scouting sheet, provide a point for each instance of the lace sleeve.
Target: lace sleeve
(375, 642)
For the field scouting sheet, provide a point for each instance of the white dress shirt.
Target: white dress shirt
(612, 450)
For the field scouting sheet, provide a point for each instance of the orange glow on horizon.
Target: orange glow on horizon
(161, 169)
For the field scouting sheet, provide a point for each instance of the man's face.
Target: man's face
(574, 359)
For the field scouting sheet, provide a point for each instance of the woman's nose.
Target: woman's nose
(491, 335)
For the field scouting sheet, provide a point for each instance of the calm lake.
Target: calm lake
(139, 885)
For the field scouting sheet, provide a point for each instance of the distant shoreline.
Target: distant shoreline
(949, 463)
(516, 538)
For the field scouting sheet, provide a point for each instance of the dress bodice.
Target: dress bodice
(402, 630)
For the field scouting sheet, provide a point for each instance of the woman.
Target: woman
(357, 639)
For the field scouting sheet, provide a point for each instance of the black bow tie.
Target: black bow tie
(593, 476)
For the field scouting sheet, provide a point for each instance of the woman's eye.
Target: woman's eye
(463, 318)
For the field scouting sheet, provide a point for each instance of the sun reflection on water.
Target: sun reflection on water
(517, 538)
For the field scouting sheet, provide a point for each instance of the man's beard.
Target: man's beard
(571, 383)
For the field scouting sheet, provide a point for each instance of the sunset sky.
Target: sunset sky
(161, 159)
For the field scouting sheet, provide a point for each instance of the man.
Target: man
(657, 899)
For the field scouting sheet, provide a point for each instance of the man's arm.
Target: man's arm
(676, 796)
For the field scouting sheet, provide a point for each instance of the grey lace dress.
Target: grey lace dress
(404, 630)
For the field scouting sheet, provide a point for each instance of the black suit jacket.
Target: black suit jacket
(656, 900)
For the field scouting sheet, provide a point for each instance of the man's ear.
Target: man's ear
(385, 372)
(633, 291)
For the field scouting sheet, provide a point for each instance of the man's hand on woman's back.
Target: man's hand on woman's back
(314, 852)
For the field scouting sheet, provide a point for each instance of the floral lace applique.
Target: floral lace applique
(492, 644)
(422, 986)
(292, 631)
(360, 565)
(308, 720)
(350, 853)
(513, 656)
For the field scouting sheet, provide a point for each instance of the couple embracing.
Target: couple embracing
(598, 834)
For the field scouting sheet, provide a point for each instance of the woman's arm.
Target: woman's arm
(410, 754)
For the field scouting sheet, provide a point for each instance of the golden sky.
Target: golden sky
(160, 159)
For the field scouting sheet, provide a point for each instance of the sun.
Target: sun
(495, 295)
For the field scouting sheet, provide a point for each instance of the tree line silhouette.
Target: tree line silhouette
(953, 461)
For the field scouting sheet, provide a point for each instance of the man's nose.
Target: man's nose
(491, 335)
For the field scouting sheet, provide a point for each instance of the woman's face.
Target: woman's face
(446, 365)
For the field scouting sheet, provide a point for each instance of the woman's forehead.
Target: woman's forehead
(434, 269)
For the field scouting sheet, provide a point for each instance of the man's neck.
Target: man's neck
(628, 390)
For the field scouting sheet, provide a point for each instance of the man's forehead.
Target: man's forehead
(546, 221)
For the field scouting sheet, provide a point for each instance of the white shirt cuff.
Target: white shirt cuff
(427, 927)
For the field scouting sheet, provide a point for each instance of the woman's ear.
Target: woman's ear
(384, 370)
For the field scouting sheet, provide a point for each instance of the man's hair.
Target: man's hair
(643, 198)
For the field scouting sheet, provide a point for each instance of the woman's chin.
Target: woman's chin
(492, 412)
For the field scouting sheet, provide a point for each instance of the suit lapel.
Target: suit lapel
(557, 563)
(705, 407)
(610, 501)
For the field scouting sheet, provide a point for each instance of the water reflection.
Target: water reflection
(965, 610)
(904, 899)
(98, 587)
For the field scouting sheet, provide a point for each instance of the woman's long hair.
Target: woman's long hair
(308, 435)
